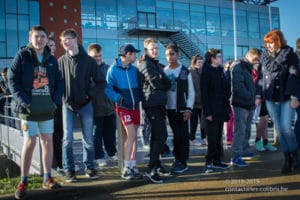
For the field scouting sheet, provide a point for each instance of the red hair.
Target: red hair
(276, 37)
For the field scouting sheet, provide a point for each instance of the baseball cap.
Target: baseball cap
(127, 48)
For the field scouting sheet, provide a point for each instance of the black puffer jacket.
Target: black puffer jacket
(155, 83)
(215, 93)
(79, 73)
(276, 74)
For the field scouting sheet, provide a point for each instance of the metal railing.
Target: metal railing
(11, 138)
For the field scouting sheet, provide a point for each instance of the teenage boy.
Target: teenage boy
(36, 85)
(79, 71)
(155, 85)
(104, 114)
(123, 89)
(180, 103)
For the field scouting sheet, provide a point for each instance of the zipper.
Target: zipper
(130, 89)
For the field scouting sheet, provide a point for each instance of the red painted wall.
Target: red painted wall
(58, 15)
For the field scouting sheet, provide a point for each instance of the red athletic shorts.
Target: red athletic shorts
(128, 117)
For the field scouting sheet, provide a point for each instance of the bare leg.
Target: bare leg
(47, 151)
(130, 142)
(27, 151)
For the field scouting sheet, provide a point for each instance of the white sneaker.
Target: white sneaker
(113, 158)
(195, 143)
(101, 162)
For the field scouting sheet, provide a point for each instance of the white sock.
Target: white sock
(132, 163)
(127, 164)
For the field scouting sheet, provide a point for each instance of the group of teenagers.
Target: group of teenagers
(40, 85)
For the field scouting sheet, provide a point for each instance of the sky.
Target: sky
(289, 22)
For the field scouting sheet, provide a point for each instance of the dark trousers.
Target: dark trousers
(181, 135)
(105, 130)
(57, 138)
(297, 126)
(197, 114)
(156, 116)
(214, 130)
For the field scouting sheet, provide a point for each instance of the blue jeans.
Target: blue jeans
(105, 130)
(242, 131)
(297, 126)
(86, 119)
(282, 115)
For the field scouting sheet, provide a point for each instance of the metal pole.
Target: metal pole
(270, 17)
(121, 139)
(234, 30)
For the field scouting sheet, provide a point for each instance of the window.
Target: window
(12, 35)
(23, 27)
(212, 21)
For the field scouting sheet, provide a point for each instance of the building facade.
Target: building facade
(195, 25)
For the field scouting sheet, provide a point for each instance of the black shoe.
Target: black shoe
(179, 167)
(208, 168)
(219, 165)
(71, 177)
(162, 171)
(91, 173)
(154, 177)
(136, 173)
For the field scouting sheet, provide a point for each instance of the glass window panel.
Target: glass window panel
(2, 22)
(23, 26)
(11, 35)
(89, 32)
(2, 49)
(182, 19)
(11, 6)
(151, 20)
(241, 13)
(181, 6)
(213, 24)
(106, 12)
(126, 12)
(164, 4)
(142, 20)
(22, 6)
(252, 15)
(164, 18)
(241, 23)
(263, 15)
(253, 25)
(275, 22)
(226, 11)
(242, 34)
(198, 24)
(227, 22)
(196, 7)
(210, 9)
(264, 27)
(88, 9)
(228, 52)
(34, 13)
(146, 5)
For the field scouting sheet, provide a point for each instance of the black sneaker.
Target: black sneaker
(127, 174)
(136, 173)
(208, 168)
(219, 165)
(71, 177)
(179, 167)
(91, 173)
(154, 177)
(163, 172)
